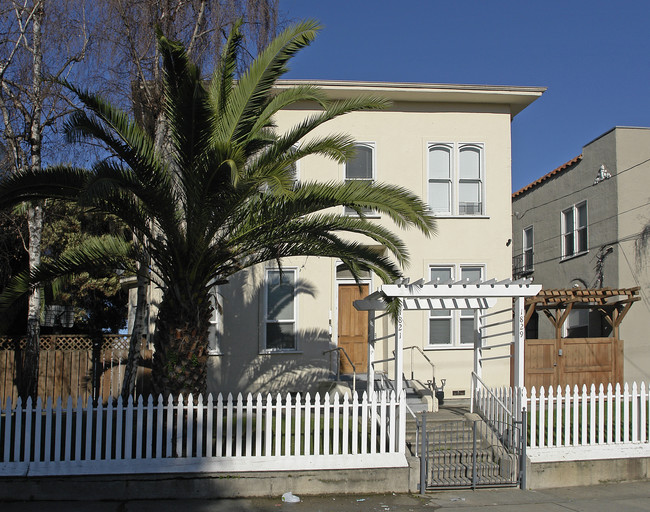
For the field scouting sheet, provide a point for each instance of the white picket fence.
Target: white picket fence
(577, 424)
(189, 435)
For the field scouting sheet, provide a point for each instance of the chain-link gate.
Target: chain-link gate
(471, 453)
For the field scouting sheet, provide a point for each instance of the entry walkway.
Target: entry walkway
(626, 497)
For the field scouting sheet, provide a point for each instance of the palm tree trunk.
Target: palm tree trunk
(181, 350)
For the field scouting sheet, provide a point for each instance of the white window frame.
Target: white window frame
(373, 148)
(576, 318)
(267, 321)
(454, 315)
(455, 181)
(574, 234)
(216, 319)
(525, 265)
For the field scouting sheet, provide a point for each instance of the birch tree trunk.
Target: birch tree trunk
(30, 366)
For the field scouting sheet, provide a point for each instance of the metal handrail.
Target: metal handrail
(433, 367)
(503, 406)
(338, 367)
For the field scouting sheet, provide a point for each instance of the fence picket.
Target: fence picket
(307, 429)
(297, 429)
(209, 427)
(68, 440)
(229, 418)
(239, 425)
(277, 411)
(364, 423)
(170, 426)
(335, 428)
(249, 425)
(18, 429)
(355, 424)
(89, 428)
(617, 410)
(189, 420)
(635, 413)
(57, 429)
(317, 417)
(199, 426)
(128, 430)
(643, 434)
(150, 439)
(268, 423)
(259, 425)
(346, 423)
(179, 426)
(219, 447)
(326, 424)
(601, 414)
(626, 413)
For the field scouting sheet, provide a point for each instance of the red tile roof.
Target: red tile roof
(548, 176)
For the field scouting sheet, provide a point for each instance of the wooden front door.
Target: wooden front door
(353, 328)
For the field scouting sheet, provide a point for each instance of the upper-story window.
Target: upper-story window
(527, 263)
(280, 309)
(361, 167)
(574, 230)
(456, 179)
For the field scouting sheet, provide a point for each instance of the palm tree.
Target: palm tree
(219, 197)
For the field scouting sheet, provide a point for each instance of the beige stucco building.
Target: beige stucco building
(451, 145)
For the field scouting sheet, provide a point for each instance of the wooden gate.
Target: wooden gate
(573, 362)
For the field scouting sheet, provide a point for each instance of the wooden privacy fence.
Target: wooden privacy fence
(194, 434)
(72, 366)
(578, 423)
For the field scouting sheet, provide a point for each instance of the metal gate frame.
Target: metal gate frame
(472, 453)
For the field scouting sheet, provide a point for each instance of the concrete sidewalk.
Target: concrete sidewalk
(603, 498)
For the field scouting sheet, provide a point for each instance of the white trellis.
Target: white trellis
(478, 295)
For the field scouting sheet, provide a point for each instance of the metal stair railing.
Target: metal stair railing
(338, 366)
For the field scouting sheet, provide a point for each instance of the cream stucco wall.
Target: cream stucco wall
(400, 136)
(633, 177)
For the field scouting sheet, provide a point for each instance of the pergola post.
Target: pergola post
(371, 353)
(399, 345)
(478, 344)
(519, 337)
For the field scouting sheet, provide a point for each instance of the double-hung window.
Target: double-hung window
(574, 230)
(456, 179)
(527, 263)
(361, 167)
(452, 328)
(280, 309)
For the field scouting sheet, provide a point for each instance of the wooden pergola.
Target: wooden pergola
(577, 360)
(436, 295)
(557, 304)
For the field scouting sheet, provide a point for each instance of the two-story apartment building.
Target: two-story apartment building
(450, 144)
(586, 224)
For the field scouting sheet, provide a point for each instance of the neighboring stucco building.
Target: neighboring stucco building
(587, 224)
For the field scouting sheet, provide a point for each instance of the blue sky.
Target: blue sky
(592, 55)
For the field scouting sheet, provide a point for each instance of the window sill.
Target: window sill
(214, 352)
(368, 216)
(434, 348)
(447, 216)
(280, 352)
(573, 256)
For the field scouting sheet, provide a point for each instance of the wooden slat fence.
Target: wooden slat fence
(71, 367)
(196, 434)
